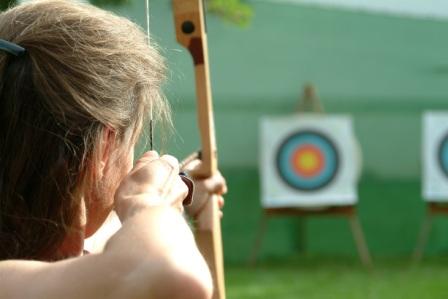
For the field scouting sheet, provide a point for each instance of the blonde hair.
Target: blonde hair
(84, 70)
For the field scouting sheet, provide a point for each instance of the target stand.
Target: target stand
(435, 175)
(309, 165)
(433, 209)
(348, 212)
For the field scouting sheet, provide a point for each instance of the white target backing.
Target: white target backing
(435, 156)
(308, 160)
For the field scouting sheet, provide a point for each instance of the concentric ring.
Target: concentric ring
(307, 160)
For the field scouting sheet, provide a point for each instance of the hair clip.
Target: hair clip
(11, 48)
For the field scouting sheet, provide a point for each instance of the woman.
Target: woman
(76, 88)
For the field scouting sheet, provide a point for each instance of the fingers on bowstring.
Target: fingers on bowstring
(146, 158)
(178, 192)
(165, 166)
(172, 162)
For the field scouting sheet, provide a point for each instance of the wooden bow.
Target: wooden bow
(190, 32)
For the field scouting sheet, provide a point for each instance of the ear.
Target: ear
(105, 149)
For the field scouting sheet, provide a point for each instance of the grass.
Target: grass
(314, 277)
(391, 213)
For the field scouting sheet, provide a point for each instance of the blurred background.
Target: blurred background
(382, 62)
(384, 67)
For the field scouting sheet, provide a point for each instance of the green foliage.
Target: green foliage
(232, 10)
(4, 4)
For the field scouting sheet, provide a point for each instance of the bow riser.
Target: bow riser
(190, 32)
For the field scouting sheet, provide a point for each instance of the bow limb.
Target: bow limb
(190, 32)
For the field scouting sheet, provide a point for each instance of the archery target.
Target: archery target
(435, 156)
(308, 160)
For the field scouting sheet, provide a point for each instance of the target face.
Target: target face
(308, 160)
(443, 155)
(435, 156)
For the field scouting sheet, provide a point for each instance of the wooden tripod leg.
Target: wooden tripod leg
(423, 237)
(260, 235)
(360, 241)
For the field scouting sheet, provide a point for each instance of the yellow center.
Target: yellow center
(307, 161)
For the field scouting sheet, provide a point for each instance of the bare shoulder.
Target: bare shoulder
(15, 275)
(101, 276)
(82, 277)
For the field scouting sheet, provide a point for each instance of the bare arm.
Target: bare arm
(153, 255)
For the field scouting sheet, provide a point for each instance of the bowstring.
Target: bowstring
(151, 132)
